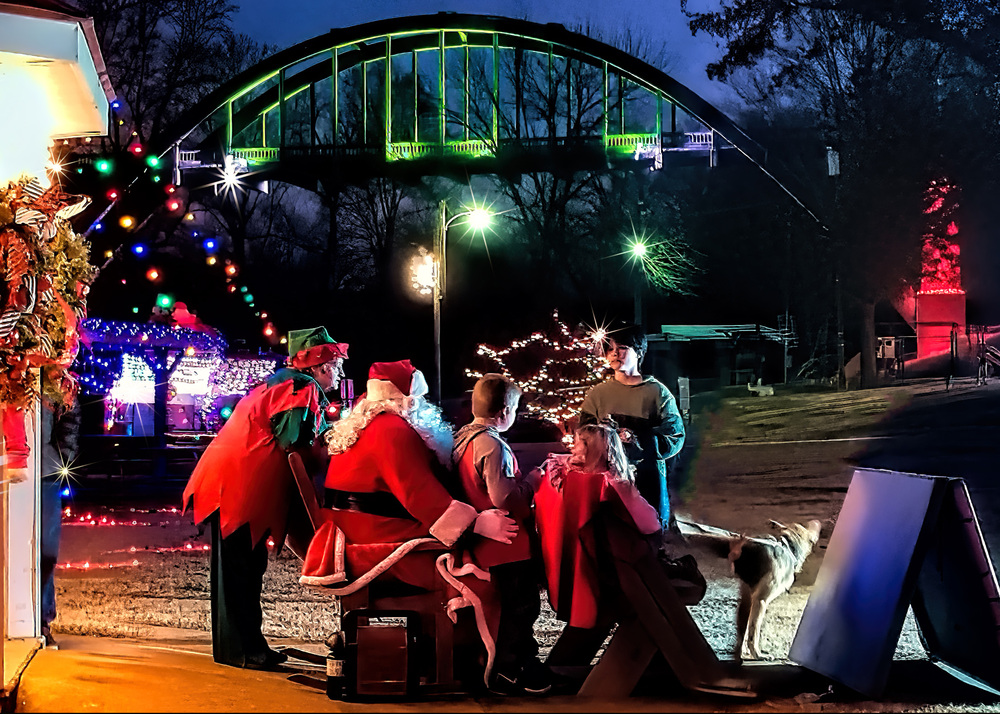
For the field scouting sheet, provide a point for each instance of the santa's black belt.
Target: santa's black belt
(379, 503)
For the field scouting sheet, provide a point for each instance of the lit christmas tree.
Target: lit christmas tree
(554, 369)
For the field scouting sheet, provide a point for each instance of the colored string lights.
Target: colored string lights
(233, 377)
(554, 370)
(120, 366)
(100, 365)
(150, 334)
(119, 518)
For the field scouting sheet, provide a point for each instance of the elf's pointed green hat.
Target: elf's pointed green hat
(308, 348)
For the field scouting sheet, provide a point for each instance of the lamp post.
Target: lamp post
(477, 219)
(638, 249)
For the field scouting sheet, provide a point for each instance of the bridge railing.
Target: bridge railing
(695, 139)
(257, 155)
(637, 145)
(472, 148)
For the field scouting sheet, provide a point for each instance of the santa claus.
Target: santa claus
(391, 517)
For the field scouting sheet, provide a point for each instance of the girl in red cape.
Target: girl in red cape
(574, 487)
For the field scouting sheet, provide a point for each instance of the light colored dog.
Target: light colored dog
(766, 567)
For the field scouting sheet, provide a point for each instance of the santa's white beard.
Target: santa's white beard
(424, 417)
(429, 422)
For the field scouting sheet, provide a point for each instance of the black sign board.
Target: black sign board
(901, 540)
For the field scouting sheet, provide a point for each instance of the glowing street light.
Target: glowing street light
(423, 270)
(477, 218)
(638, 249)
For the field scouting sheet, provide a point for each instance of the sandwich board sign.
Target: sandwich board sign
(902, 540)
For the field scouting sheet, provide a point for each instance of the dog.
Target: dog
(766, 567)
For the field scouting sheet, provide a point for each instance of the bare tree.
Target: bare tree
(163, 56)
(879, 98)
(561, 213)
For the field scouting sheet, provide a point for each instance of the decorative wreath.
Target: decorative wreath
(45, 273)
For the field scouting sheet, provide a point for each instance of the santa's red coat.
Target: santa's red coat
(244, 472)
(573, 583)
(389, 457)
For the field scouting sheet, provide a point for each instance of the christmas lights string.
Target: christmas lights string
(554, 370)
(172, 204)
(100, 363)
(233, 376)
(118, 367)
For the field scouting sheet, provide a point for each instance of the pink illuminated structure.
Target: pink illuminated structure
(939, 311)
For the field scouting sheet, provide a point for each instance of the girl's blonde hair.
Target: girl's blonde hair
(615, 459)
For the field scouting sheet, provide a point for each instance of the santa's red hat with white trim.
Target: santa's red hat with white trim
(395, 380)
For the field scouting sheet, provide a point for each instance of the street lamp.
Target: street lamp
(477, 219)
(423, 271)
(638, 250)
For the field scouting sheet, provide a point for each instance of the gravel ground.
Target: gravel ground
(160, 571)
(168, 587)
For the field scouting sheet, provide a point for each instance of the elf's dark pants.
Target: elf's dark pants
(237, 578)
(520, 604)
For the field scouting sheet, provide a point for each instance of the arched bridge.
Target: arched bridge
(445, 93)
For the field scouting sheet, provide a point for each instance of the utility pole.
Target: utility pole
(638, 300)
(786, 332)
(440, 276)
(833, 171)
(841, 377)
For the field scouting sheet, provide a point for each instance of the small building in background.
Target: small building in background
(154, 393)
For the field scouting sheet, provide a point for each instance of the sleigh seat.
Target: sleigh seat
(432, 661)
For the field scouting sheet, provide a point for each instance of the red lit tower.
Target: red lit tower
(940, 301)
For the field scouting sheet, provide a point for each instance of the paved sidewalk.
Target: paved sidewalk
(119, 675)
(113, 675)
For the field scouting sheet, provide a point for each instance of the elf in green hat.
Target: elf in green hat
(244, 486)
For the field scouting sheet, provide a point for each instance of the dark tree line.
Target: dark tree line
(903, 93)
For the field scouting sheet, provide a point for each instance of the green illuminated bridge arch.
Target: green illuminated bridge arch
(449, 93)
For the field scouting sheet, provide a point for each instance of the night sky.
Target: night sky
(661, 20)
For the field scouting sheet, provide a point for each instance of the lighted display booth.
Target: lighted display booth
(53, 75)
(156, 392)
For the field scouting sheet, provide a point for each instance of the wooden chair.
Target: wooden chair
(437, 674)
(651, 618)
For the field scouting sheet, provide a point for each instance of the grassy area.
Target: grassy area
(734, 415)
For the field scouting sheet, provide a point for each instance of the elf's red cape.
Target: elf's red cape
(244, 473)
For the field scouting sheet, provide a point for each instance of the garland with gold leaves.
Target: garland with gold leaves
(45, 273)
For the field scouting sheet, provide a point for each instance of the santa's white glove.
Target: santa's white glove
(496, 525)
